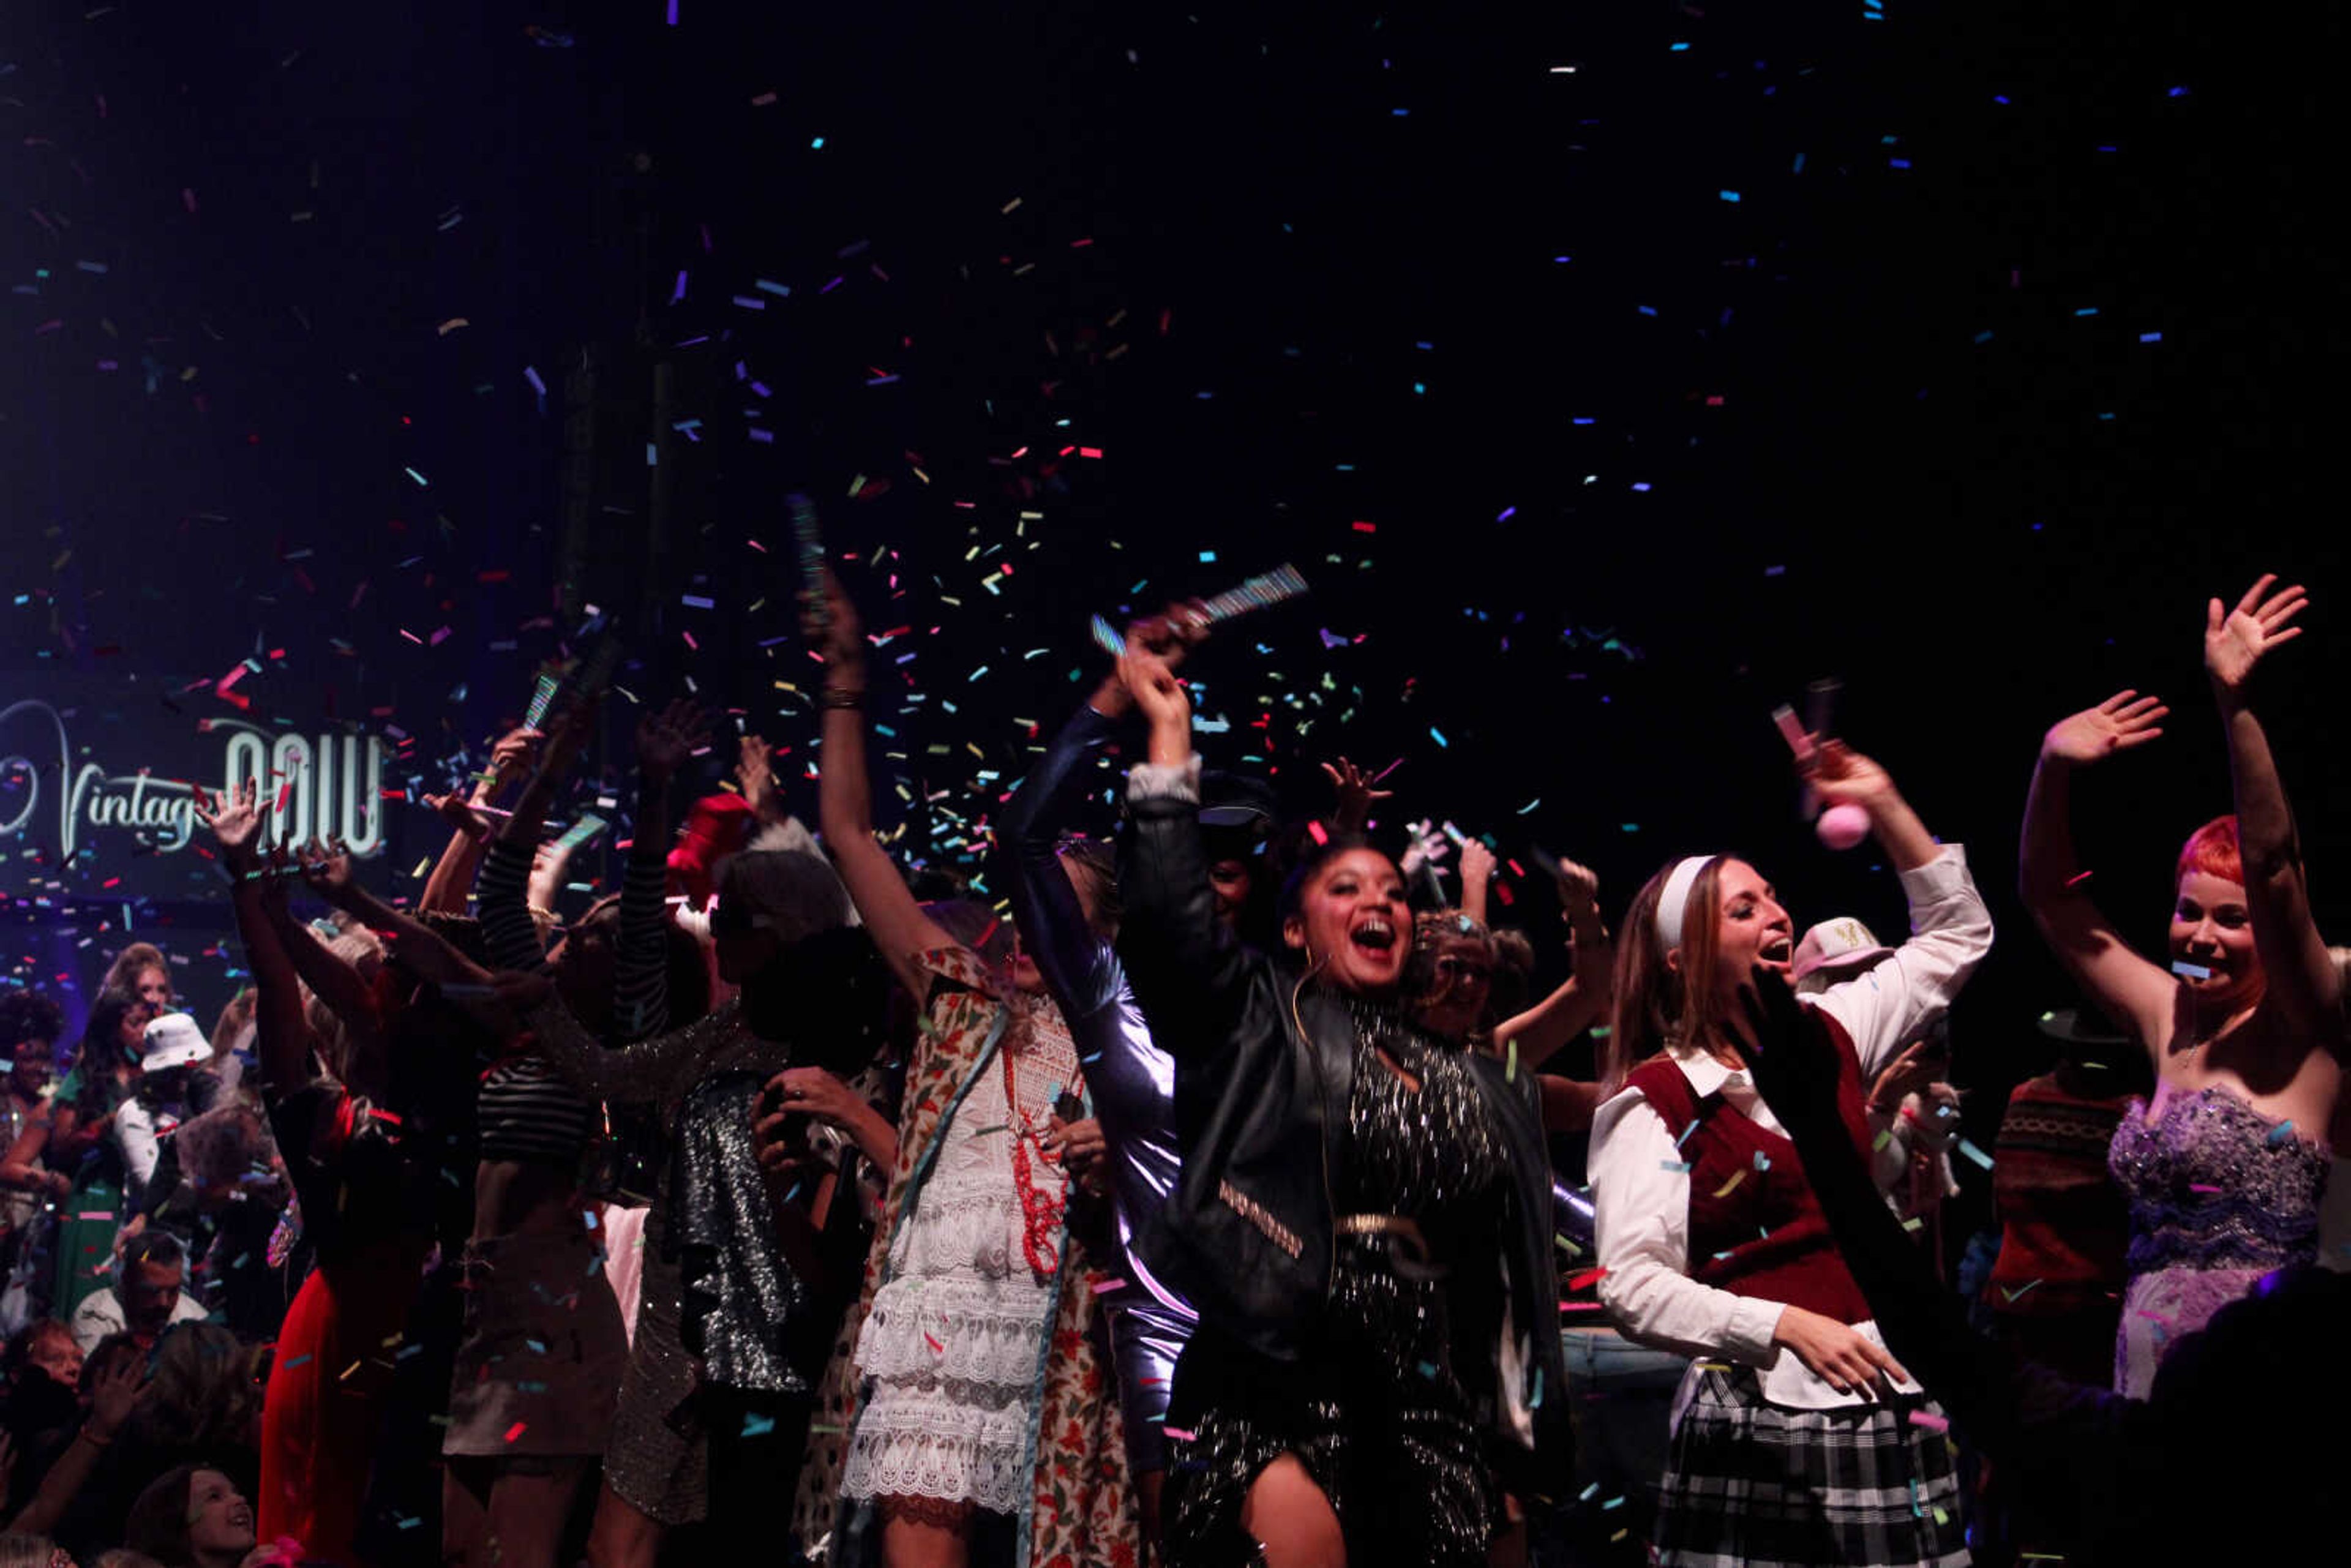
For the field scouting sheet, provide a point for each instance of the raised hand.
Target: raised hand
(754, 772)
(2122, 722)
(510, 760)
(1355, 795)
(2235, 642)
(568, 735)
(1477, 863)
(667, 738)
(1841, 777)
(1908, 1073)
(1155, 689)
(328, 870)
(117, 1392)
(833, 629)
(235, 822)
(1579, 887)
(459, 813)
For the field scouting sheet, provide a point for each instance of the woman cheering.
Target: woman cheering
(1791, 1438)
(1362, 1220)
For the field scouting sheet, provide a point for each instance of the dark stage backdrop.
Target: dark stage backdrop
(1611, 371)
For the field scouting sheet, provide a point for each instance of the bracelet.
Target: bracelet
(94, 1442)
(847, 698)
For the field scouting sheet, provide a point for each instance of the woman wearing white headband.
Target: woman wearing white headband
(1793, 1441)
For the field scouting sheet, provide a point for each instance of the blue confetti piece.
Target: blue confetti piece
(756, 1425)
(1438, 735)
(2282, 1133)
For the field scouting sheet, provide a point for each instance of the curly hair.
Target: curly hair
(27, 1015)
(221, 1146)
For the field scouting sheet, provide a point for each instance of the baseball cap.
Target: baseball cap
(1834, 950)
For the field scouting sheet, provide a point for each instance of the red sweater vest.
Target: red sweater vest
(1755, 1228)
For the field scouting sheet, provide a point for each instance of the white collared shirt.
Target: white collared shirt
(1641, 1197)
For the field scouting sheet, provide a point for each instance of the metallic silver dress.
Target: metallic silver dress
(657, 1458)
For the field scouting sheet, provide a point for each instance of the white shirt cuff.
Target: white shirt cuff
(1938, 879)
(1747, 1337)
(1153, 781)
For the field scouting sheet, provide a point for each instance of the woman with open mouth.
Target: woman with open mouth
(2225, 1168)
(1363, 1218)
(1793, 1439)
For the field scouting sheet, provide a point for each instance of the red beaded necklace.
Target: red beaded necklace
(1041, 1212)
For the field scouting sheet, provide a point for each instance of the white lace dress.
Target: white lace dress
(952, 1345)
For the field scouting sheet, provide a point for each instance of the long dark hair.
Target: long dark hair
(101, 1050)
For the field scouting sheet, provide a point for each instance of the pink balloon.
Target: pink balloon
(1841, 827)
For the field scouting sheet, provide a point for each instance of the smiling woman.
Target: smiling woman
(192, 1517)
(1711, 1242)
(1362, 1218)
(2244, 1029)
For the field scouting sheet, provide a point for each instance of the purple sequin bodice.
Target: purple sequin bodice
(2214, 1184)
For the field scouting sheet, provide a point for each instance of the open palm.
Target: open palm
(2122, 722)
(2234, 642)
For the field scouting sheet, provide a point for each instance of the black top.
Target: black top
(1265, 1073)
(348, 1168)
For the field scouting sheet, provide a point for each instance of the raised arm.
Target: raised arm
(845, 806)
(1477, 878)
(1189, 971)
(1584, 1000)
(1077, 965)
(281, 1038)
(1350, 811)
(328, 874)
(1951, 925)
(2302, 977)
(640, 955)
(503, 898)
(2132, 991)
(453, 875)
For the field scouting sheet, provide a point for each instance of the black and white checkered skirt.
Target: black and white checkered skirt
(1755, 1485)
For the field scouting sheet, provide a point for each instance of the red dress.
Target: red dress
(334, 1361)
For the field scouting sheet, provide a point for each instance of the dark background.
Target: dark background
(1639, 460)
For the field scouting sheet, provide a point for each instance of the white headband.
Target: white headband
(1674, 900)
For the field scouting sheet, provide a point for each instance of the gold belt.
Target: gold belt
(1383, 1225)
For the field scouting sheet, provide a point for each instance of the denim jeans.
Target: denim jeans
(1623, 1405)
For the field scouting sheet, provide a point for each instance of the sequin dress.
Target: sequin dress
(1381, 1416)
(2219, 1196)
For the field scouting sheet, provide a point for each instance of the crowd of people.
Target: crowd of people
(1200, 1194)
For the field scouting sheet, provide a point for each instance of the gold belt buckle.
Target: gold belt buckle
(1407, 1248)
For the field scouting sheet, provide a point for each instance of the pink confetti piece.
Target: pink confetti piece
(1930, 1421)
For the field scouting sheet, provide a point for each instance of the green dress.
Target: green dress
(88, 1216)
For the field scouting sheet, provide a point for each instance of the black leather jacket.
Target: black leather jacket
(1264, 1071)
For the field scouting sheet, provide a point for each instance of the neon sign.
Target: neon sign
(329, 786)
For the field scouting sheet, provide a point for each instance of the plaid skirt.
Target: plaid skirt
(1755, 1485)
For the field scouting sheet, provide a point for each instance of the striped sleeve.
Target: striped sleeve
(501, 900)
(640, 963)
